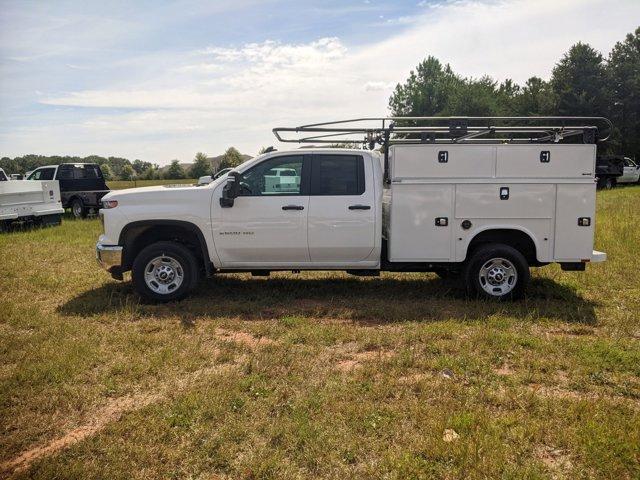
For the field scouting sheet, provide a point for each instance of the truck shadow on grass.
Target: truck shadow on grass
(374, 301)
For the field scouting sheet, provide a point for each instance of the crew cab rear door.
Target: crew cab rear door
(342, 208)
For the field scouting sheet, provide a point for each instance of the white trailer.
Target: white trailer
(33, 201)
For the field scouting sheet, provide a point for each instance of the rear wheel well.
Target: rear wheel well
(137, 236)
(514, 238)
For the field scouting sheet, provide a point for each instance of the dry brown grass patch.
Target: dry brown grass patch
(244, 338)
(557, 461)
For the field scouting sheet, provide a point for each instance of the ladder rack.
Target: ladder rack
(385, 131)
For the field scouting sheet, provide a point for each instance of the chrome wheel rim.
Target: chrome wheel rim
(498, 277)
(77, 209)
(163, 275)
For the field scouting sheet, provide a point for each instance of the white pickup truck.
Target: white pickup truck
(26, 201)
(438, 199)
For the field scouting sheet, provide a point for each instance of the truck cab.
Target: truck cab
(630, 172)
(82, 185)
(483, 213)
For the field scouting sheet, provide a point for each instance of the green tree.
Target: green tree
(623, 74)
(231, 158)
(201, 166)
(117, 164)
(535, 98)
(106, 171)
(579, 82)
(474, 98)
(127, 172)
(175, 171)
(427, 91)
(139, 166)
(151, 173)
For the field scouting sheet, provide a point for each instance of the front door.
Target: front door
(630, 172)
(342, 209)
(267, 225)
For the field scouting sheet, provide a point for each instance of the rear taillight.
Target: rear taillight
(109, 203)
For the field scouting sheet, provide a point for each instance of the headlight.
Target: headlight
(109, 203)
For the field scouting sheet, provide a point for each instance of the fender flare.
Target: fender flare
(517, 228)
(123, 239)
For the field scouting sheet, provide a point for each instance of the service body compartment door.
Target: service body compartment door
(574, 242)
(442, 161)
(545, 161)
(505, 200)
(421, 216)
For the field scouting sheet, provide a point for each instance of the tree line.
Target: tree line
(582, 83)
(118, 168)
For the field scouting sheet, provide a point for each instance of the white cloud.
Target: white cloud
(220, 96)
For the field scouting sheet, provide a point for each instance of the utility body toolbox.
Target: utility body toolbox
(25, 200)
(546, 191)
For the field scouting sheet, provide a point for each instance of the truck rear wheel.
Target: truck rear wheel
(164, 272)
(78, 209)
(497, 272)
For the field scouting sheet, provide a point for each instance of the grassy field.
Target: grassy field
(318, 375)
(120, 184)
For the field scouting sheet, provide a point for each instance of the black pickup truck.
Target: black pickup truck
(82, 185)
(608, 169)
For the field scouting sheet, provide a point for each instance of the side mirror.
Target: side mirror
(231, 190)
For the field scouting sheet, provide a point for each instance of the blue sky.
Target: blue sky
(163, 80)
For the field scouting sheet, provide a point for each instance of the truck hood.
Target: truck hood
(149, 191)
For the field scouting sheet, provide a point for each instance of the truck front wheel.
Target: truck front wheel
(497, 272)
(164, 272)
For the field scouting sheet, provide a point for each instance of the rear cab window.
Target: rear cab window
(82, 172)
(337, 175)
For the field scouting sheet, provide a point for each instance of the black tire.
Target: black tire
(78, 209)
(610, 183)
(185, 262)
(506, 260)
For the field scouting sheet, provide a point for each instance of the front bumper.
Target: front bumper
(110, 258)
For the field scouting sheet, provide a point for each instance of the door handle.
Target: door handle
(293, 207)
(359, 207)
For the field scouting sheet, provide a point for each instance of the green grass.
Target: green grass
(320, 375)
(120, 184)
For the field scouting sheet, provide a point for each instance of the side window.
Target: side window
(65, 172)
(3, 177)
(47, 174)
(337, 175)
(276, 176)
(42, 174)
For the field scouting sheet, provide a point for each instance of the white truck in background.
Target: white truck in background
(30, 201)
(481, 200)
